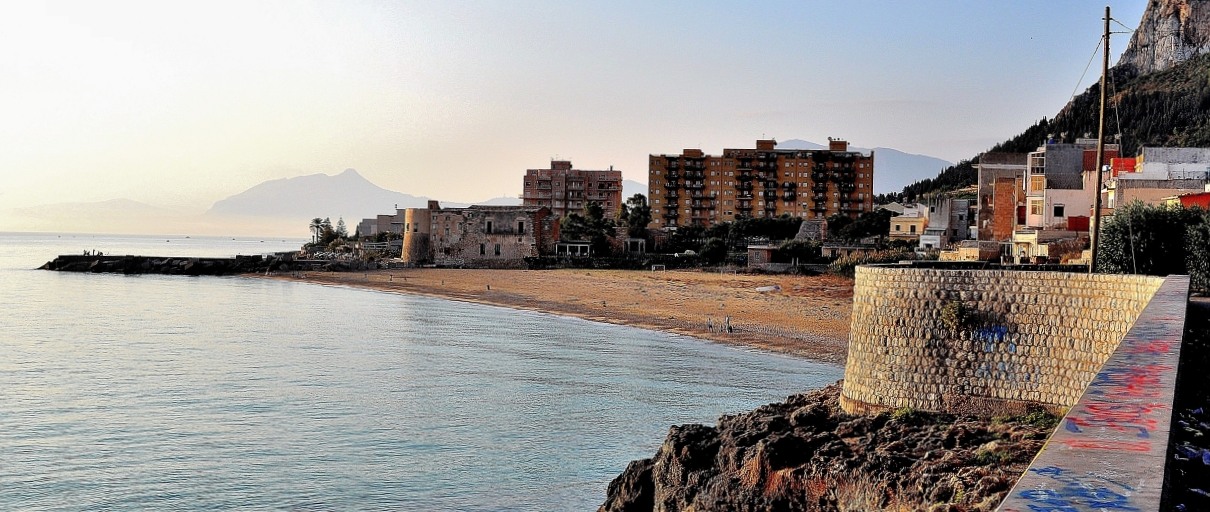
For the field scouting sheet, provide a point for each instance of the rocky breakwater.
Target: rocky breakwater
(165, 265)
(807, 454)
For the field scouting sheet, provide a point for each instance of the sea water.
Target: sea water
(172, 392)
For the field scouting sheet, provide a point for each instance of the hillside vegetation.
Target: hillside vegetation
(1170, 108)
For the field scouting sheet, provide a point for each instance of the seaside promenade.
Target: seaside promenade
(805, 316)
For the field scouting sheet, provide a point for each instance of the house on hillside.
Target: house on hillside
(948, 222)
(1159, 173)
(909, 224)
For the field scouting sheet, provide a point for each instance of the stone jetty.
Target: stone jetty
(174, 265)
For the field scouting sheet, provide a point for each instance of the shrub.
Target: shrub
(847, 265)
(1146, 239)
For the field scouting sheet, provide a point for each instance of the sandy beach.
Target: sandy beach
(806, 316)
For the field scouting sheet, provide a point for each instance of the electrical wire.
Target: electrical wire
(1085, 74)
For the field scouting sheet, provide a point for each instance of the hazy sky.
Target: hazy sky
(180, 104)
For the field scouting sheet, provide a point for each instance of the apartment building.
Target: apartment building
(694, 188)
(565, 189)
(1159, 173)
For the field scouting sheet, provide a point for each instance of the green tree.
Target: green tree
(592, 226)
(1197, 260)
(342, 231)
(714, 251)
(870, 224)
(804, 251)
(836, 223)
(1146, 239)
(635, 214)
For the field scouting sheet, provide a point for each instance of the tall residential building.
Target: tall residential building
(1001, 192)
(566, 190)
(694, 188)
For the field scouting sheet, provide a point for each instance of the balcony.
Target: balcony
(672, 194)
(744, 195)
(696, 185)
(672, 184)
(695, 175)
(672, 175)
(789, 195)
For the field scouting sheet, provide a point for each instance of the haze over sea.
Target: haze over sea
(170, 392)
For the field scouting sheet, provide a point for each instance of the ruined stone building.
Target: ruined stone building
(694, 188)
(477, 236)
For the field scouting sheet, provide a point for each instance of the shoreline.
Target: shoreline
(806, 316)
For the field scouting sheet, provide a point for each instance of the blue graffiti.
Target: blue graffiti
(1090, 491)
(992, 334)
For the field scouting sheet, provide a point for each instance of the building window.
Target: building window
(489, 227)
(1037, 183)
(497, 249)
(1059, 210)
(898, 228)
(482, 249)
(1035, 207)
(912, 229)
(520, 227)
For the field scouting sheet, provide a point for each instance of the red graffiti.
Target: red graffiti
(1132, 382)
(1150, 347)
(1129, 446)
(1134, 419)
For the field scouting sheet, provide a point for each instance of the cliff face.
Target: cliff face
(807, 454)
(1171, 32)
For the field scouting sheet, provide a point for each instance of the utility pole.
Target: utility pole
(1096, 214)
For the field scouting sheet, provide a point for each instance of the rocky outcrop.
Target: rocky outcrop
(165, 265)
(807, 454)
(1171, 32)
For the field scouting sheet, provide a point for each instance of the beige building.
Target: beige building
(566, 190)
(910, 224)
(694, 188)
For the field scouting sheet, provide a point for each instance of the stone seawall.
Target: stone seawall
(983, 341)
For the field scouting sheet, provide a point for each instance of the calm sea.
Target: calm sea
(166, 392)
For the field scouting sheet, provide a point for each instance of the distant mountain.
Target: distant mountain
(495, 201)
(346, 195)
(893, 169)
(631, 187)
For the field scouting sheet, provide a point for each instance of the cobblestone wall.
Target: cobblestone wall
(983, 341)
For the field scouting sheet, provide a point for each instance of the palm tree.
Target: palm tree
(317, 225)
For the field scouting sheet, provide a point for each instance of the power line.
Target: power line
(1081, 80)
